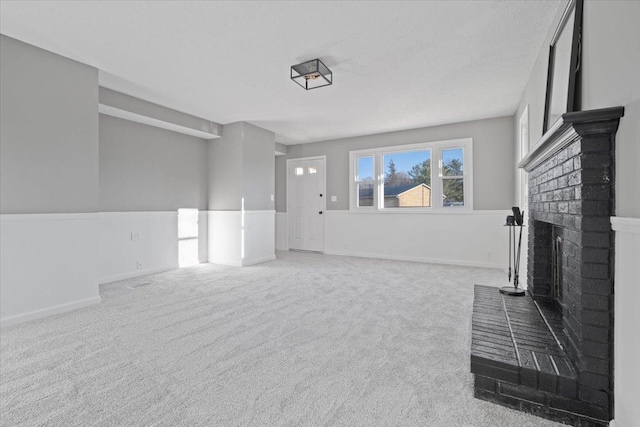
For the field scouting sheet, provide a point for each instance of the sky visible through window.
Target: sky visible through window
(405, 161)
(365, 168)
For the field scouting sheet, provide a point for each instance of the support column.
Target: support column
(241, 188)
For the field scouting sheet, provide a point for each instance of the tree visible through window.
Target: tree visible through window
(407, 177)
(452, 177)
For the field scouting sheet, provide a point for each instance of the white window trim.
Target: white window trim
(436, 148)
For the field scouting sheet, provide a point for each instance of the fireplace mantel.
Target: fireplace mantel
(569, 128)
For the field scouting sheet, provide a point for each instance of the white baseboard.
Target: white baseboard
(246, 263)
(226, 262)
(49, 311)
(132, 274)
(416, 259)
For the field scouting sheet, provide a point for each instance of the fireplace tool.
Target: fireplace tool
(513, 221)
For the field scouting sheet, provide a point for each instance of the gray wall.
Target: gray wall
(225, 169)
(144, 168)
(242, 165)
(48, 132)
(610, 69)
(258, 168)
(493, 145)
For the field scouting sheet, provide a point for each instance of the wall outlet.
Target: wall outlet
(139, 265)
(334, 198)
(135, 236)
(272, 198)
(489, 255)
(345, 245)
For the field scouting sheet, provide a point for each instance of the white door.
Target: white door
(306, 204)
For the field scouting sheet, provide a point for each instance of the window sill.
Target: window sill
(442, 211)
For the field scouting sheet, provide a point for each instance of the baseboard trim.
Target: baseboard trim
(282, 248)
(416, 259)
(49, 311)
(409, 212)
(132, 274)
(246, 263)
(227, 263)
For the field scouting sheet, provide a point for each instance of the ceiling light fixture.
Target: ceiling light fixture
(312, 74)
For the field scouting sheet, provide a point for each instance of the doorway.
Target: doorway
(306, 203)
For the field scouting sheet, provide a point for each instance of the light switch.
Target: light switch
(135, 236)
(334, 198)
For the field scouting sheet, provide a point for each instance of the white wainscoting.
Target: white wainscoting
(475, 239)
(203, 236)
(259, 237)
(225, 237)
(282, 238)
(47, 265)
(627, 318)
(156, 249)
(241, 238)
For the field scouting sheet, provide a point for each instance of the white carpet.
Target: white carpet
(306, 340)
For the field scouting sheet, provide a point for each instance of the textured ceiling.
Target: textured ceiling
(396, 65)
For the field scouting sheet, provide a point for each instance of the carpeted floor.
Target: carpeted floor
(306, 340)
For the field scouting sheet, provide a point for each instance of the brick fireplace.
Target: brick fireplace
(567, 317)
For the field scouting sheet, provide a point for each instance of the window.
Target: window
(364, 182)
(425, 177)
(407, 179)
(452, 176)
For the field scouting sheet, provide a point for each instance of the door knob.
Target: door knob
(320, 212)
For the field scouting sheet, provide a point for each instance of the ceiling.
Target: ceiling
(396, 65)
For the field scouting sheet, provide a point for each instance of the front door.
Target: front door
(306, 204)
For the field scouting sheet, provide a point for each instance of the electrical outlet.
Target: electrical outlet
(489, 255)
(135, 236)
(334, 198)
(139, 265)
(272, 198)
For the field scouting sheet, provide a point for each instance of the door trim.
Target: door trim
(324, 201)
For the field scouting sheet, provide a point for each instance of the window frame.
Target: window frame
(436, 148)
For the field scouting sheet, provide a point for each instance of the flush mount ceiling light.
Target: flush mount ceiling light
(312, 74)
